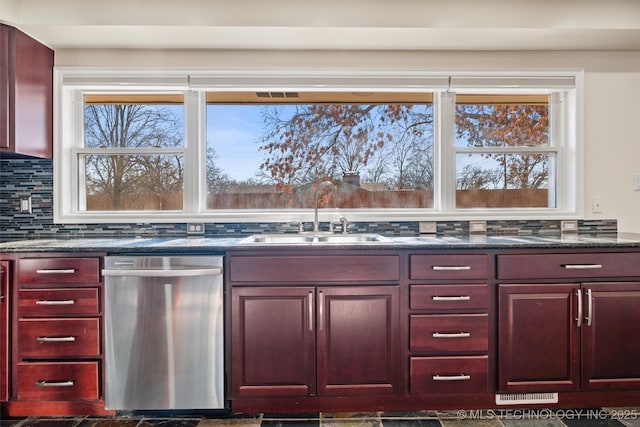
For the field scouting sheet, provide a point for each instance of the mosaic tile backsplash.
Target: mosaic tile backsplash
(21, 178)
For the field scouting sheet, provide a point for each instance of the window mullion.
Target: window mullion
(447, 158)
(192, 165)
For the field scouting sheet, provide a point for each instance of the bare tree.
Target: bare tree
(124, 176)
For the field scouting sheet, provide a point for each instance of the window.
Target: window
(504, 154)
(255, 148)
(377, 149)
(132, 155)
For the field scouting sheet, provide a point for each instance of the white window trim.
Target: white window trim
(70, 82)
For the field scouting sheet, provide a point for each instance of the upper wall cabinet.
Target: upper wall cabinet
(26, 95)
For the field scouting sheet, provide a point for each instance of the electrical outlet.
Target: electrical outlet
(636, 182)
(569, 226)
(596, 204)
(427, 227)
(195, 228)
(477, 227)
(25, 204)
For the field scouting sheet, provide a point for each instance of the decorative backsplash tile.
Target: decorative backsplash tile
(34, 177)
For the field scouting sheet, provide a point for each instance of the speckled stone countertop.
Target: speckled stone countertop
(219, 245)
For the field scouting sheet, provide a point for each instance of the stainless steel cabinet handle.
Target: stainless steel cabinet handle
(451, 267)
(582, 266)
(589, 317)
(55, 339)
(320, 311)
(56, 302)
(461, 377)
(451, 298)
(451, 335)
(311, 311)
(579, 318)
(60, 271)
(55, 383)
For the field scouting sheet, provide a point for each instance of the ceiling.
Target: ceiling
(330, 24)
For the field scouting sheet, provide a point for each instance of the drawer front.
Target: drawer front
(448, 297)
(58, 302)
(58, 338)
(58, 381)
(568, 266)
(58, 270)
(464, 374)
(328, 268)
(449, 333)
(448, 267)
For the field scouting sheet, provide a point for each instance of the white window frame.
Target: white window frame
(566, 88)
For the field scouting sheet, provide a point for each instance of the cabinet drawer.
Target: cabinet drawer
(58, 381)
(449, 333)
(58, 270)
(58, 338)
(58, 302)
(313, 269)
(448, 297)
(464, 374)
(568, 266)
(445, 267)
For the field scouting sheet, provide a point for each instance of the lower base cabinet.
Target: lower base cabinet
(569, 337)
(314, 341)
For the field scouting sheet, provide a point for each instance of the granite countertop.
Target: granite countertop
(221, 244)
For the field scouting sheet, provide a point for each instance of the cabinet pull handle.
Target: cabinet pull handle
(582, 266)
(320, 311)
(60, 271)
(451, 334)
(451, 298)
(55, 339)
(55, 302)
(451, 267)
(460, 377)
(579, 318)
(44, 383)
(589, 317)
(311, 311)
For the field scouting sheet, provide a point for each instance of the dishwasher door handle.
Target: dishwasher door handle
(164, 273)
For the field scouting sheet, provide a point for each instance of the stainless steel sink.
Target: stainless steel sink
(316, 238)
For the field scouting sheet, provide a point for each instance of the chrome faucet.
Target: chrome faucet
(316, 224)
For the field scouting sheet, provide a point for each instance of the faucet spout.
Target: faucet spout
(326, 183)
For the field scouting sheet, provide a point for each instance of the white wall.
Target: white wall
(612, 97)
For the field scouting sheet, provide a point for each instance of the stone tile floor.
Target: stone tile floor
(608, 417)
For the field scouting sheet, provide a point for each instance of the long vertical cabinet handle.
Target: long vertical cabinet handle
(2, 284)
(320, 310)
(589, 317)
(579, 318)
(310, 311)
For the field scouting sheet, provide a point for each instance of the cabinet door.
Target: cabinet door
(272, 341)
(4, 87)
(358, 333)
(611, 343)
(539, 342)
(4, 327)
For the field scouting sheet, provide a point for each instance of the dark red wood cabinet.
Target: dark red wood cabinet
(26, 95)
(570, 336)
(4, 329)
(57, 336)
(308, 341)
(316, 337)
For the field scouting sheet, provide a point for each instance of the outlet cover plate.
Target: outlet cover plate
(427, 227)
(195, 228)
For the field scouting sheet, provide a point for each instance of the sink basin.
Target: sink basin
(293, 239)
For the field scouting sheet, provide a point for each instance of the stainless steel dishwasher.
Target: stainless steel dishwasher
(163, 332)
